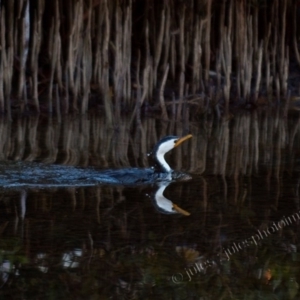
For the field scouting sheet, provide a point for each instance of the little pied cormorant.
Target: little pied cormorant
(160, 172)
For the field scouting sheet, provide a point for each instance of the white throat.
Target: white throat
(160, 154)
(161, 159)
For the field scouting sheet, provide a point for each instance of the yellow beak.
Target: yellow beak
(180, 210)
(182, 139)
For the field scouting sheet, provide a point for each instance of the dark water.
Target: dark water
(236, 235)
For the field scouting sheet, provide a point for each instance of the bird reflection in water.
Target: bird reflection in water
(164, 205)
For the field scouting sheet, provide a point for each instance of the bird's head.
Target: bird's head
(165, 145)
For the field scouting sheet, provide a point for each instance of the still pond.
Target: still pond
(230, 232)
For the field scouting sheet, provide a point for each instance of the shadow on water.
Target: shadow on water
(231, 231)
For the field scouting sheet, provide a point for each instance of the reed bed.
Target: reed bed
(62, 57)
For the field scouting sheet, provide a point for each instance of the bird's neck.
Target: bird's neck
(163, 165)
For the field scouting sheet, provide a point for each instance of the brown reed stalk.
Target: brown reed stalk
(182, 50)
(207, 49)
(104, 61)
(281, 86)
(181, 95)
(267, 42)
(255, 29)
(54, 52)
(35, 50)
(258, 71)
(118, 76)
(239, 46)
(2, 58)
(53, 58)
(86, 60)
(151, 80)
(21, 42)
(225, 138)
(186, 108)
(218, 66)
(267, 62)
(57, 103)
(282, 49)
(67, 94)
(167, 38)
(278, 90)
(158, 48)
(173, 113)
(146, 73)
(138, 84)
(182, 54)
(75, 22)
(146, 82)
(197, 53)
(173, 56)
(228, 63)
(8, 54)
(269, 78)
(137, 109)
(296, 31)
(248, 63)
(79, 55)
(164, 113)
(98, 22)
(51, 140)
(286, 105)
(275, 42)
(285, 74)
(127, 49)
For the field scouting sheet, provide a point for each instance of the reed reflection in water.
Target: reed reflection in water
(226, 147)
(108, 241)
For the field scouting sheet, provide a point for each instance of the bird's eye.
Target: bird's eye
(175, 141)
